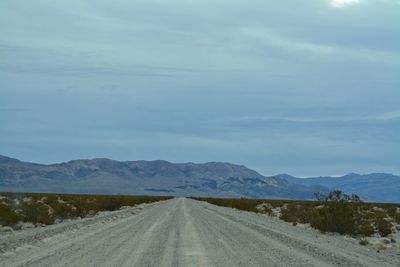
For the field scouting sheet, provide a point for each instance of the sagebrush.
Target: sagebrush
(337, 213)
(45, 209)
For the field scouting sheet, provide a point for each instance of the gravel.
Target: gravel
(183, 232)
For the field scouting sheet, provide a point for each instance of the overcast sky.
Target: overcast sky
(307, 87)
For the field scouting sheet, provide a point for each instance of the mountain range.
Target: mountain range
(105, 176)
(159, 177)
(382, 187)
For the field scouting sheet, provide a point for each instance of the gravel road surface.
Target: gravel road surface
(183, 232)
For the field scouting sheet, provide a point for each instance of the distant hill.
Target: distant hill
(105, 176)
(382, 187)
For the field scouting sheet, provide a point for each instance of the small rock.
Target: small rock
(27, 225)
(6, 229)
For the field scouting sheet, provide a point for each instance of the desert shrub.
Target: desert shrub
(265, 208)
(276, 203)
(62, 210)
(396, 217)
(336, 212)
(59, 209)
(240, 204)
(391, 211)
(346, 214)
(47, 199)
(8, 217)
(287, 213)
(46, 208)
(384, 227)
(35, 197)
(379, 218)
(37, 212)
(68, 206)
(246, 204)
(267, 211)
(109, 203)
(364, 242)
(339, 217)
(296, 213)
(84, 205)
(366, 228)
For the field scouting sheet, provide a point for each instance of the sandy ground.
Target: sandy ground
(183, 232)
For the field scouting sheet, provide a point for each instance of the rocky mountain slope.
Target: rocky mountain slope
(105, 176)
(382, 187)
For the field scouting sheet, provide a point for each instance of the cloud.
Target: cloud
(343, 3)
(272, 38)
(47, 61)
(387, 116)
(181, 81)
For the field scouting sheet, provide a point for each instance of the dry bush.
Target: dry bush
(383, 226)
(240, 204)
(337, 213)
(8, 217)
(336, 217)
(46, 208)
(36, 212)
(63, 210)
(397, 217)
(364, 242)
(298, 213)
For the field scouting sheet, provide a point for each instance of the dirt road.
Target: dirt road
(183, 232)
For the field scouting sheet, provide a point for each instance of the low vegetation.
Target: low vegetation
(364, 242)
(336, 212)
(45, 209)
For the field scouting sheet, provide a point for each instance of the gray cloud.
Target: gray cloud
(308, 89)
